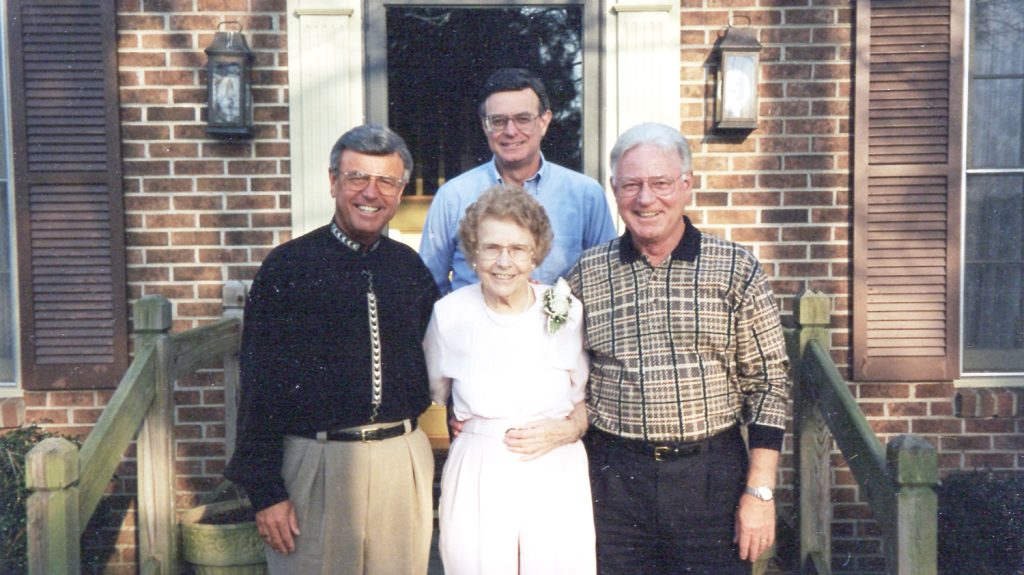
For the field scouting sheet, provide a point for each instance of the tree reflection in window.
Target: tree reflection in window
(439, 57)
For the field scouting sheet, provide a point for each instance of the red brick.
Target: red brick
(803, 269)
(210, 256)
(784, 216)
(248, 238)
(72, 399)
(248, 167)
(712, 199)
(146, 203)
(146, 168)
(275, 220)
(198, 203)
(198, 167)
(149, 274)
(908, 409)
(224, 220)
(756, 234)
(933, 390)
(197, 273)
(172, 150)
(989, 460)
(131, 96)
(272, 185)
(170, 221)
(171, 114)
(177, 256)
(222, 184)
(171, 291)
(937, 426)
(195, 238)
(12, 412)
(54, 416)
(199, 309)
(807, 233)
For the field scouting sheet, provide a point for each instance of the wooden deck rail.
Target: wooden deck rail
(67, 483)
(897, 482)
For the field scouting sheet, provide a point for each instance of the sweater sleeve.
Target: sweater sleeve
(259, 451)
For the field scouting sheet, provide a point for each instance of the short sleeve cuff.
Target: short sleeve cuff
(765, 437)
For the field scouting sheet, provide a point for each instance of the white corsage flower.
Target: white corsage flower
(556, 305)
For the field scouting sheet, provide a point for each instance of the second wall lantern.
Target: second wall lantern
(228, 84)
(738, 71)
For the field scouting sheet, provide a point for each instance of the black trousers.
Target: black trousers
(670, 516)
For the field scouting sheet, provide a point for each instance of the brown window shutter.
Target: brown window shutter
(907, 163)
(68, 197)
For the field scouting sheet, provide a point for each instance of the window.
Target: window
(993, 238)
(7, 325)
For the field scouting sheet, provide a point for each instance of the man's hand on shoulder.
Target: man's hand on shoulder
(278, 526)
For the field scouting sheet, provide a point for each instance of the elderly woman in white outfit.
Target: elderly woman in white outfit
(515, 492)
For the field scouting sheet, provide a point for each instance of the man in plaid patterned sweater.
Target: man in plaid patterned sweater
(686, 350)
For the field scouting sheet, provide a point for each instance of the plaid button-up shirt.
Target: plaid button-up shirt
(684, 350)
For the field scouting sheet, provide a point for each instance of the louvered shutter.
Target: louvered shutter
(907, 165)
(67, 173)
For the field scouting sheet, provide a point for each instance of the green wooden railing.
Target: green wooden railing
(67, 483)
(897, 481)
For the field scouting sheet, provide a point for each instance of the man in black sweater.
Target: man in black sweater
(333, 380)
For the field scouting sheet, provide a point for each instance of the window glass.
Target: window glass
(438, 58)
(993, 282)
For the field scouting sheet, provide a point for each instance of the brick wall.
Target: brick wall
(202, 211)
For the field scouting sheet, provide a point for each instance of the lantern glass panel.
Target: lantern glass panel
(739, 90)
(227, 94)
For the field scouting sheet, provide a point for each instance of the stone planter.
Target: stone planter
(216, 544)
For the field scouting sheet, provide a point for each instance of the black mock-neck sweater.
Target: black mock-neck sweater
(306, 354)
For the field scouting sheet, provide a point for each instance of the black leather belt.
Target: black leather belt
(370, 434)
(654, 450)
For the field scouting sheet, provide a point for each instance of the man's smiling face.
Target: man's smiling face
(363, 214)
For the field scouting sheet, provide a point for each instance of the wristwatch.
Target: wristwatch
(764, 493)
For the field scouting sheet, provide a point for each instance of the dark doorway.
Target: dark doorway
(438, 57)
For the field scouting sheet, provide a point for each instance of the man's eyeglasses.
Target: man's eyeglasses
(661, 185)
(524, 122)
(358, 181)
(516, 252)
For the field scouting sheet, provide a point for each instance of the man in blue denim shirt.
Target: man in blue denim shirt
(515, 112)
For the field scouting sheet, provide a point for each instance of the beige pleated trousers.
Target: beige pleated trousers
(363, 508)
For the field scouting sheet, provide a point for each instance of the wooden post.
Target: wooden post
(812, 441)
(234, 295)
(51, 472)
(156, 499)
(913, 466)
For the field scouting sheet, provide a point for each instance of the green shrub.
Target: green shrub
(981, 524)
(13, 494)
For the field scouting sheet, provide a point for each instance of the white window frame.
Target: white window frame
(9, 388)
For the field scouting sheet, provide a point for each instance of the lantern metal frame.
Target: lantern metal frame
(739, 62)
(229, 84)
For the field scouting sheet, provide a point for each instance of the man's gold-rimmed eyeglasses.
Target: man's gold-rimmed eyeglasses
(516, 252)
(525, 122)
(661, 185)
(359, 181)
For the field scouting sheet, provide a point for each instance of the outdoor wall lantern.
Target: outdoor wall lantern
(228, 89)
(739, 57)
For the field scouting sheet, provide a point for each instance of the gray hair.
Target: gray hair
(375, 140)
(660, 135)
